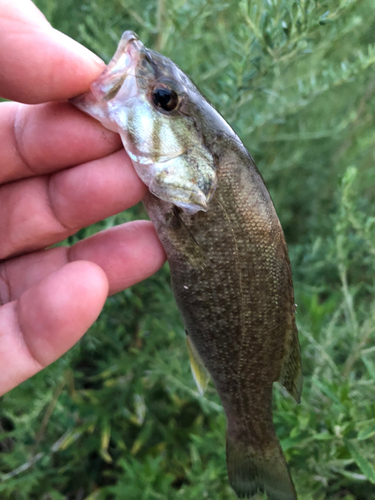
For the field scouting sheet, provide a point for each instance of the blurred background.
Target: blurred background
(119, 416)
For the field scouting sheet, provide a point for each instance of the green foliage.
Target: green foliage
(119, 417)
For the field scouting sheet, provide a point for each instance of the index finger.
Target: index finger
(38, 63)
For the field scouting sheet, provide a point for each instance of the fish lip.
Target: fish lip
(128, 36)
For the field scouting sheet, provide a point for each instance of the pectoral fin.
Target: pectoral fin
(200, 373)
(291, 373)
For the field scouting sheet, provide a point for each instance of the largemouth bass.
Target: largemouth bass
(229, 263)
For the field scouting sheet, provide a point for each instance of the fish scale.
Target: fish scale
(229, 264)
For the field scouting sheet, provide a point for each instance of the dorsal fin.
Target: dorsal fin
(199, 371)
(291, 372)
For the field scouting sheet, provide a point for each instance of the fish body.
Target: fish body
(229, 263)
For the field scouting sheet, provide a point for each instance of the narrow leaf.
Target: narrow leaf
(364, 465)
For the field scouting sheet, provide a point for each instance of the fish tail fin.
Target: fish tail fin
(252, 470)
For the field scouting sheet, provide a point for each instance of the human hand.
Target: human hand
(59, 171)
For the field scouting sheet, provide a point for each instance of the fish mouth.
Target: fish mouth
(122, 64)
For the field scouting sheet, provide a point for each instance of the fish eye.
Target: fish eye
(165, 98)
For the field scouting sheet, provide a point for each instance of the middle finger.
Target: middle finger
(40, 211)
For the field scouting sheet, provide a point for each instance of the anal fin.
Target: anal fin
(199, 371)
(291, 372)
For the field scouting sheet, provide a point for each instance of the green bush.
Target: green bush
(119, 417)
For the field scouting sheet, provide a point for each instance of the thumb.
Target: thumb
(38, 63)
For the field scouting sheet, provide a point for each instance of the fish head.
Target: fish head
(156, 109)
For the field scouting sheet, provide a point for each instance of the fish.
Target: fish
(230, 270)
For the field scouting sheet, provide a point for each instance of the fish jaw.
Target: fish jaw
(89, 104)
